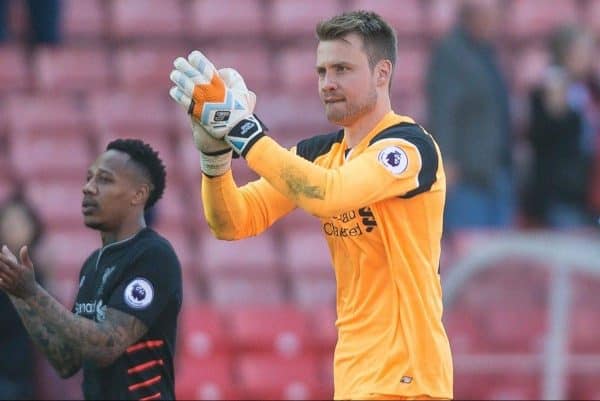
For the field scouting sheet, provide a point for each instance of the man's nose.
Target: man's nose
(88, 187)
(328, 84)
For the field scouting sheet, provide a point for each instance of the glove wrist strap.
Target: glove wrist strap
(216, 163)
(245, 133)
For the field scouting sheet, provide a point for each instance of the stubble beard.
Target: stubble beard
(353, 110)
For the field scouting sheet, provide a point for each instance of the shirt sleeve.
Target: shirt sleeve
(235, 213)
(149, 284)
(393, 165)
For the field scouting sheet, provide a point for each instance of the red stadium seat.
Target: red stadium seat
(494, 302)
(497, 384)
(303, 113)
(84, 19)
(142, 115)
(533, 18)
(297, 70)
(255, 254)
(409, 104)
(244, 289)
(138, 19)
(171, 210)
(268, 377)
(14, 69)
(325, 362)
(410, 70)
(123, 111)
(405, 17)
(306, 250)
(277, 329)
(67, 248)
(208, 18)
(251, 60)
(48, 139)
(309, 289)
(464, 330)
(188, 169)
(50, 155)
(59, 202)
(583, 319)
(67, 69)
(46, 113)
(323, 331)
(290, 18)
(209, 379)
(501, 333)
(203, 332)
(157, 64)
(584, 385)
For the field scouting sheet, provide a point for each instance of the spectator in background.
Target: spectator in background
(44, 21)
(556, 195)
(468, 106)
(19, 225)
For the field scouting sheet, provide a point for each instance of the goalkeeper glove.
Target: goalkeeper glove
(215, 153)
(225, 112)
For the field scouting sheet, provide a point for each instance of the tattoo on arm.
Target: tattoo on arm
(298, 185)
(67, 339)
(63, 356)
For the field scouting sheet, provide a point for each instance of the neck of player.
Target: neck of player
(129, 227)
(355, 132)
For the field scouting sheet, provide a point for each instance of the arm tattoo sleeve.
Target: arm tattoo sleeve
(67, 339)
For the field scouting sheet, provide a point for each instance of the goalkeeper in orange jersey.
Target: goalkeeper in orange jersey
(391, 341)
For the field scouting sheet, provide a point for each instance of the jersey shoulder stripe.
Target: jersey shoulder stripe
(319, 145)
(416, 135)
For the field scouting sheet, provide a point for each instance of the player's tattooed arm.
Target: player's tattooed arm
(68, 340)
(65, 338)
(64, 357)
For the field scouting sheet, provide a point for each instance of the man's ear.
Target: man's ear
(383, 71)
(141, 194)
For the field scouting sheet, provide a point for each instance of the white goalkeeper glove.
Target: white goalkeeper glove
(215, 153)
(225, 112)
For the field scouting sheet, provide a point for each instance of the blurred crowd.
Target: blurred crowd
(513, 159)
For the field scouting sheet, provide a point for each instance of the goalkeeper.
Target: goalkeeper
(380, 167)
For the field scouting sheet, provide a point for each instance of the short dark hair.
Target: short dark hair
(379, 38)
(148, 159)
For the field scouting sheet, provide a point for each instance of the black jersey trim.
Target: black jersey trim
(416, 135)
(319, 145)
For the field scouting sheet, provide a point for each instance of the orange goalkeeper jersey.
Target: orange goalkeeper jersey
(380, 205)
